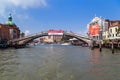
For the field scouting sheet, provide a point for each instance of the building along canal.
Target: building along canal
(56, 62)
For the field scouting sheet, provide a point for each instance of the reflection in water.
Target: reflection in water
(95, 56)
(104, 65)
(58, 63)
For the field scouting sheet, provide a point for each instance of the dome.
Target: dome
(10, 22)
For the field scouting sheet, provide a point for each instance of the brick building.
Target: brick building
(9, 31)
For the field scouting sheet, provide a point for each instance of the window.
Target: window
(49, 37)
(110, 35)
(14, 31)
(104, 37)
(116, 29)
(110, 30)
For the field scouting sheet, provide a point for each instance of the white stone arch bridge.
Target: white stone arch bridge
(24, 40)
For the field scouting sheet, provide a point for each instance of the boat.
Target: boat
(65, 44)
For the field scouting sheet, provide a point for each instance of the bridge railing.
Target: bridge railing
(72, 33)
(46, 32)
(31, 35)
(42, 32)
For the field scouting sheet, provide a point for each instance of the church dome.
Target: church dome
(10, 22)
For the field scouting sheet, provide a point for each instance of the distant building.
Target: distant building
(22, 34)
(48, 39)
(9, 30)
(105, 35)
(54, 36)
(96, 28)
(114, 26)
(105, 32)
(52, 39)
(104, 29)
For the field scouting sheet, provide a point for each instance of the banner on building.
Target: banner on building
(55, 32)
(94, 30)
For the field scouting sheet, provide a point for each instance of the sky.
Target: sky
(33, 16)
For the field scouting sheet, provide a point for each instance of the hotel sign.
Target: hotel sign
(55, 32)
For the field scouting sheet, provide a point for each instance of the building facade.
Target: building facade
(105, 35)
(113, 29)
(54, 36)
(9, 30)
(96, 28)
(52, 39)
(104, 29)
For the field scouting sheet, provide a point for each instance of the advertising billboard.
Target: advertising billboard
(94, 30)
(55, 32)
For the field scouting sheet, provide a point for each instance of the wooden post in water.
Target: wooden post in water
(100, 46)
(112, 47)
(92, 45)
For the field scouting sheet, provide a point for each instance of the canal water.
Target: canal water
(55, 62)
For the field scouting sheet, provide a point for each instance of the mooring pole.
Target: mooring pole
(92, 45)
(112, 47)
(100, 46)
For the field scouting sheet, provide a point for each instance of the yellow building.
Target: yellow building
(113, 27)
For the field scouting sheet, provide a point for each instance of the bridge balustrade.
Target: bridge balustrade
(43, 33)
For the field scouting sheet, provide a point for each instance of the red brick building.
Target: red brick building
(9, 30)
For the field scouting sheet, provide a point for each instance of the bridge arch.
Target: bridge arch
(27, 39)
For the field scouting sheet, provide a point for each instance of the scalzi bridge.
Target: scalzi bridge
(24, 40)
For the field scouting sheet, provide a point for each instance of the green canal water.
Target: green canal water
(55, 62)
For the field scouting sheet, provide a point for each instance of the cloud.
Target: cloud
(8, 5)
(27, 32)
(26, 4)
